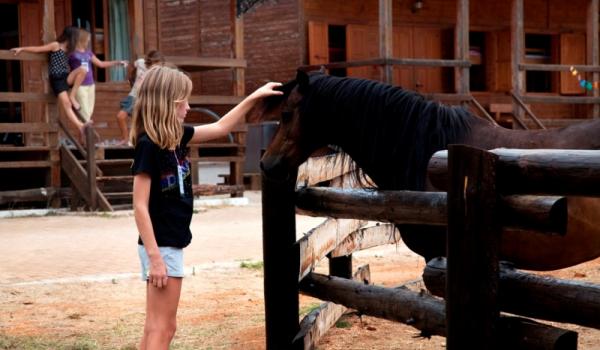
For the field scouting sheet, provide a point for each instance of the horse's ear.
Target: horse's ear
(302, 80)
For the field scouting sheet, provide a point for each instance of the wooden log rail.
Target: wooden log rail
(533, 295)
(548, 172)
(427, 313)
(390, 62)
(544, 214)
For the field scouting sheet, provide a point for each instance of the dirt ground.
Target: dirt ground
(72, 282)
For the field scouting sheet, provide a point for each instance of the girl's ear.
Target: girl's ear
(302, 80)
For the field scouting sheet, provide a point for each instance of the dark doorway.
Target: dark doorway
(10, 112)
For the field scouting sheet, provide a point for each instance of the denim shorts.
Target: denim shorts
(127, 104)
(173, 258)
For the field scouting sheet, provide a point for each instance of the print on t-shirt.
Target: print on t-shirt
(169, 184)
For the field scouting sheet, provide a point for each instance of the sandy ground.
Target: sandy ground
(72, 282)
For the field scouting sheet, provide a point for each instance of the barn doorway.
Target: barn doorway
(10, 112)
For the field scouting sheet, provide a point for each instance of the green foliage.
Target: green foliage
(252, 265)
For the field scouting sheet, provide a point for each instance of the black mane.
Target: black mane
(389, 132)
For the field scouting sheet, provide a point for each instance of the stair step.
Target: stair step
(110, 162)
(10, 148)
(122, 206)
(124, 178)
(118, 195)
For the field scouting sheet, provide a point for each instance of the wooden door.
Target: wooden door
(572, 51)
(318, 43)
(428, 44)
(403, 76)
(362, 43)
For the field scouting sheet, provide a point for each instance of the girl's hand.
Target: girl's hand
(124, 63)
(267, 90)
(16, 50)
(157, 276)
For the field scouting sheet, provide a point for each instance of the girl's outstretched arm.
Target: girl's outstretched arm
(52, 46)
(228, 121)
(141, 198)
(105, 64)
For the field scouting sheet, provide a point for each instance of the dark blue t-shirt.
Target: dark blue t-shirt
(170, 205)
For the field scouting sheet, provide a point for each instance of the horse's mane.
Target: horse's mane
(390, 132)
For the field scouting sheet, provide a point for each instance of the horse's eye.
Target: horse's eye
(286, 115)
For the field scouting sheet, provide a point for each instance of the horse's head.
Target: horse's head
(297, 135)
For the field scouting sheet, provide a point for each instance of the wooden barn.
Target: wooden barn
(507, 60)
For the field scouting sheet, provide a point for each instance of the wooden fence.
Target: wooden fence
(481, 186)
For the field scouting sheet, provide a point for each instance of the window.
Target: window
(538, 49)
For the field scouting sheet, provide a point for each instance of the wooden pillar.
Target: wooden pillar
(518, 49)
(239, 89)
(138, 29)
(472, 250)
(461, 48)
(386, 31)
(51, 108)
(91, 167)
(281, 259)
(593, 56)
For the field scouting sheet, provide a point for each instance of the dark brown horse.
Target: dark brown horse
(392, 133)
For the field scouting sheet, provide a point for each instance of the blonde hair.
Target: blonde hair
(154, 111)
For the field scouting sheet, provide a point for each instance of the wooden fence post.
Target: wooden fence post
(281, 259)
(472, 311)
(91, 166)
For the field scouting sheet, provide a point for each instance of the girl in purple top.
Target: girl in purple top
(83, 57)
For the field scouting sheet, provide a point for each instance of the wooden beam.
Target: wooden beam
(427, 314)
(393, 61)
(537, 171)
(28, 127)
(314, 325)
(367, 237)
(593, 47)
(23, 56)
(318, 169)
(408, 207)
(561, 99)
(518, 52)
(557, 67)
(473, 246)
(461, 47)
(321, 240)
(211, 190)
(27, 164)
(424, 208)
(208, 100)
(386, 31)
(239, 82)
(193, 63)
(540, 297)
(138, 28)
(32, 195)
(26, 97)
(48, 22)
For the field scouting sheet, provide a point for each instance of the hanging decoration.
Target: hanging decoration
(587, 85)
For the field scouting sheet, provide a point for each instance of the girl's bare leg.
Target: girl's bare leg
(122, 121)
(65, 103)
(74, 79)
(161, 315)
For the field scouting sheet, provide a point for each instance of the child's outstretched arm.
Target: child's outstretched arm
(228, 121)
(141, 197)
(52, 46)
(105, 64)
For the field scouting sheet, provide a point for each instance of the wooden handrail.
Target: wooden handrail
(23, 56)
(482, 110)
(28, 127)
(557, 67)
(529, 112)
(26, 97)
(390, 61)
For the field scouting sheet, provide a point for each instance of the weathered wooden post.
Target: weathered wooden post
(281, 262)
(91, 166)
(472, 311)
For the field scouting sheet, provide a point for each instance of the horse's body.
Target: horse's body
(391, 134)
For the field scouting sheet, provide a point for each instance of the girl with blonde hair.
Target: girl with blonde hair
(162, 188)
